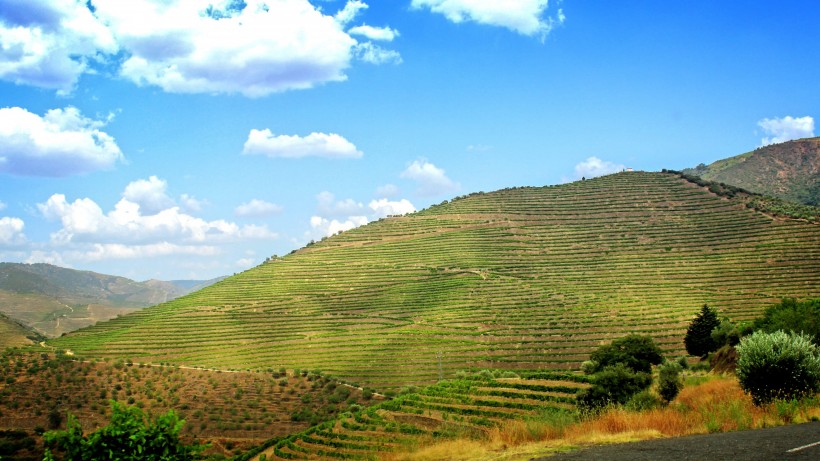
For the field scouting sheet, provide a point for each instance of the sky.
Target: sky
(189, 139)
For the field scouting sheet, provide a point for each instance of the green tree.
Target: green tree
(128, 437)
(615, 384)
(778, 365)
(637, 352)
(669, 381)
(794, 316)
(698, 339)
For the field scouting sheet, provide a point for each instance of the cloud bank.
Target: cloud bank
(431, 179)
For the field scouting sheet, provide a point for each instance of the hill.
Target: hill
(519, 279)
(54, 300)
(789, 170)
(12, 334)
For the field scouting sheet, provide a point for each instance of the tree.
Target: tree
(615, 384)
(669, 381)
(778, 365)
(637, 352)
(794, 316)
(128, 437)
(698, 339)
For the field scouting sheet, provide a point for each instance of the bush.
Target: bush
(126, 437)
(643, 400)
(778, 365)
(615, 384)
(698, 339)
(634, 351)
(669, 381)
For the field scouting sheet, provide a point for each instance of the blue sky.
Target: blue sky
(183, 139)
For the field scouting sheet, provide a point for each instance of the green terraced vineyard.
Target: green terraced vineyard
(521, 279)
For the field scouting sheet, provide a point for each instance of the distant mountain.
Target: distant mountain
(54, 300)
(789, 170)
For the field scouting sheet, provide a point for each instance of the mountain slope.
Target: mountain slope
(54, 300)
(524, 278)
(12, 334)
(789, 170)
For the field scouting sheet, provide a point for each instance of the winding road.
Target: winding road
(796, 442)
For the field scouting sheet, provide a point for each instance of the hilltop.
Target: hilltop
(53, 300)
(789, 170)
(522, 278)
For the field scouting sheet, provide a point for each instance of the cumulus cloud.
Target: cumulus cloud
(383, 207)
(150, 194)
(2, 205)
(46, 257)
(593, 166)
(341, 215)
(785, 129)
(375, 33)
(374, 54)
(257, 208)
(431, 179)
(50, 43)
(527, 17)
(263, 142)
(83, 221)
(252, 47)
(11, 231)
(108, 251)
(387, 191)
(60, 143)
(191, 203)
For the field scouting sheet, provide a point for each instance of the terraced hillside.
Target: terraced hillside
(525, 278)
(12, 334)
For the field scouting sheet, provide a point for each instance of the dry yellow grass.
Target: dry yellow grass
(717, 405)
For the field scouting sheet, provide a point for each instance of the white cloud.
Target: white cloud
(387, 191)
(257, 208)
(350, 11)
(374, 54)
(593, 166)
(523, 16)
(50, 43)
(2, 206)
(11, 231)
(191, 203)
(327, 227)
(107, 251)
(374, 33)
(431, 179)
(340, 215)
(263, 142)
(52, 257)
(255, 47)
(150, 194)
(383, 207)
(61, 143)
(786, 128)
(83, 221)
(265, 47)
(245, 263)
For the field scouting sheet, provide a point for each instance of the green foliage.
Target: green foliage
(778, 365)
(726, 333)
(634, 351)
(698, 339)
(794, 316)
(643, 400)
(669, 381)
(127, 437)
(615, 384)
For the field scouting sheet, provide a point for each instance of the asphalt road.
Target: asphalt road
(763, 444)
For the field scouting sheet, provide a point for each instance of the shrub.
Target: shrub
(698, 339)
(669, 381)
(643, 400)
(615, 384)
(634, 351)
(126, 437)
(778, 365)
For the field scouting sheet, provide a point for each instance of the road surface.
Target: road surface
(796, 442)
